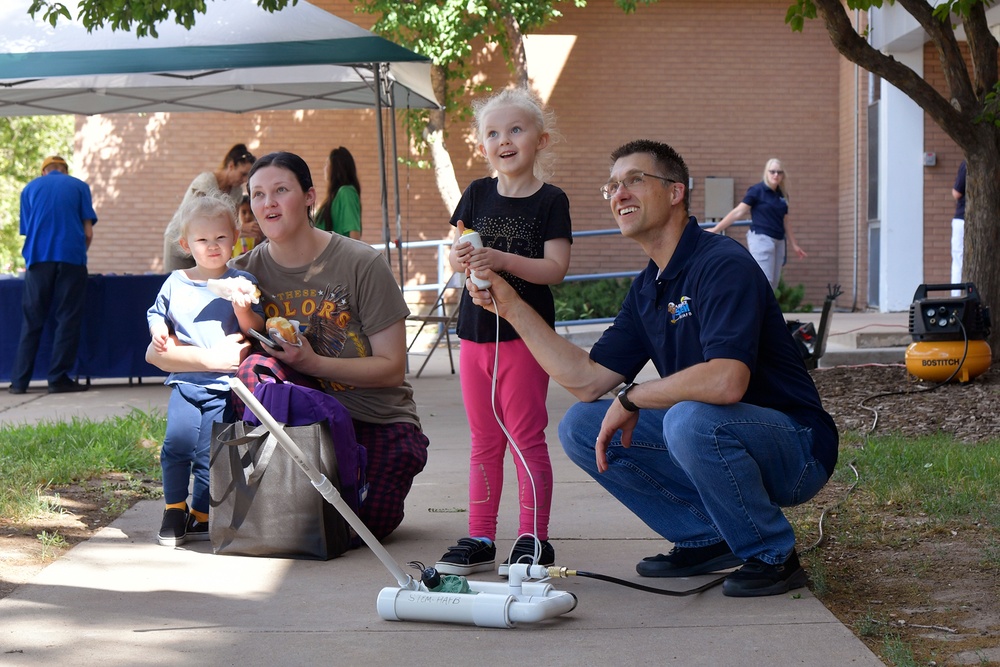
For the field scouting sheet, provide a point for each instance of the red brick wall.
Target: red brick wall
(852, 238)
(726, 83)
(729, 86)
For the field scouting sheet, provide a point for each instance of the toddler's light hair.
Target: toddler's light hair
(545, 122)
(207, 206)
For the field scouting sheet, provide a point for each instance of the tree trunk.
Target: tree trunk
(982, 231)
(956, 114)
(517, 57)
(444, 168)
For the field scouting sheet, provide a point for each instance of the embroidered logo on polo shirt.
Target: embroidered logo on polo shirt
(680, 310)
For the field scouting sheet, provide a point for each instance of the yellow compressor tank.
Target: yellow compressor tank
(937, 360)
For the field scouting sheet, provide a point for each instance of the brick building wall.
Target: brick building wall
(726, 83)
(852, 240)
(729, 85)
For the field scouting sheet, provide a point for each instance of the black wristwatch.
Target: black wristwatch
(623, 397)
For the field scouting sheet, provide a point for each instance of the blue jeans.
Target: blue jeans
(49, 286)
(191, 411)
(698, 473)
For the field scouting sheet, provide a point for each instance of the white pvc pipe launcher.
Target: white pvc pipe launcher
(494, 604)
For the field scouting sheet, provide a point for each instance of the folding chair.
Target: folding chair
(439, 314)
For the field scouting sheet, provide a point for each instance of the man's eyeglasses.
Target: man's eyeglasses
(609, 189)
(775, 172)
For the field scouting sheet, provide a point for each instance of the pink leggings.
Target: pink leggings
(521, 389)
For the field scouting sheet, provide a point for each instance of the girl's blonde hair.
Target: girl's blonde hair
(207, 206)
(783, 187)
(528, 101)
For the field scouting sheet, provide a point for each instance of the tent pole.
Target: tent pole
(395, 175)
(377, 70)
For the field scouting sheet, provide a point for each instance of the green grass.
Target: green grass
(909, 491)
(867, 625)
(897, 652)
(35, 458)
(933, 476)
(913, 487)
(51, 543)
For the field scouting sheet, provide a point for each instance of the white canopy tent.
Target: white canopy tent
(238, 58)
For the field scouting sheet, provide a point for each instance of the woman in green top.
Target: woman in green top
(340, 212)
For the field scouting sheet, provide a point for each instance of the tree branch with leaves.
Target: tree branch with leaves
(24, 142)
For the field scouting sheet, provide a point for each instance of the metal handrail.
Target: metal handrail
(445, 272)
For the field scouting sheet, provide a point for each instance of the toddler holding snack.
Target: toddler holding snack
(200, 306)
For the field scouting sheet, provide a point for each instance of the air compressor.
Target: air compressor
(949, 334)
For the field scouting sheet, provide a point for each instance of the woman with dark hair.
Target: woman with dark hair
(353, 320)
(340, 212)
(228, 179)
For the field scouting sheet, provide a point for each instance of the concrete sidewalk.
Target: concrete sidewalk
(120, 599)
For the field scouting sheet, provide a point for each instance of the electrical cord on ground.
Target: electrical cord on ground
(965, 354)
(563, 572)
(822, 517)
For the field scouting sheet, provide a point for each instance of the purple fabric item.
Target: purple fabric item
(294, 405)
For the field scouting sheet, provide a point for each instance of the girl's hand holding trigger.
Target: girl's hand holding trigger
(462, 249)
(487, 258)
(477, 259)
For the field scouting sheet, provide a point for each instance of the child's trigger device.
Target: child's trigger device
(472, 236)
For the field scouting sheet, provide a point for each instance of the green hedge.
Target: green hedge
(590, 299)
(597, 299)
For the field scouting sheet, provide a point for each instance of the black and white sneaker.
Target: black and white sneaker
(757, 578)
(468, 556)
(197, 531)
(524, 552)
(173, 528)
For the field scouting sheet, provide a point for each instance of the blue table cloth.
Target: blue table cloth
(114, 337)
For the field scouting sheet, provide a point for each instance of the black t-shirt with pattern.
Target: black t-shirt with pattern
(518, 225)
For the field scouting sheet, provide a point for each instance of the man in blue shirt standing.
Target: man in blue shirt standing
(732, 429)
(57, 220)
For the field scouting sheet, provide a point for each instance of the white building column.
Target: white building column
(901, 192)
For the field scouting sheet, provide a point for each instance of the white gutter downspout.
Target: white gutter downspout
(857, 173)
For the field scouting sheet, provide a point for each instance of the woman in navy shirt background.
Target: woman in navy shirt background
(766, 204)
